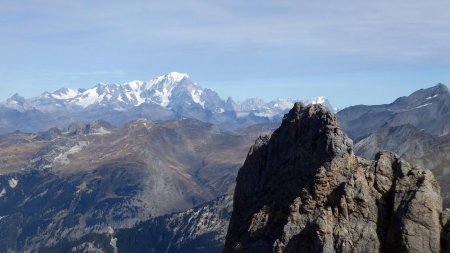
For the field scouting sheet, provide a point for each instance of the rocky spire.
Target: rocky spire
(303, 190)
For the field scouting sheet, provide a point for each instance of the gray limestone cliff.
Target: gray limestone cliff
(304, 190)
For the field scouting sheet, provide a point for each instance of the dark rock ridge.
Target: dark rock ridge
(304, 190)
(200, 230)
(425, 109)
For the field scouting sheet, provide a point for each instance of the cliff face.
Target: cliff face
(416, 146)
(304, 190)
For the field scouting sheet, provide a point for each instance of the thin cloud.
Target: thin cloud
(218, 40)
(389, 29)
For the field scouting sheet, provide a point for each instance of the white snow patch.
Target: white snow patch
(318, 100)
(113, 244)
(63, 157)
(101, 131)
(242, 114)
(420, 106)
(176, 76)
(2, 217)
(428, 98)
(3, 193)
(70, 93)
(13, 182)
(128, 96)
(265, 114)
(139, 100)
(165, 99)
(135, 93)
(119, 109)
(113, 241)
(110, 230)
(88, 98)
(283, 104)
(196, 94)
(164, 96)
(135, 85)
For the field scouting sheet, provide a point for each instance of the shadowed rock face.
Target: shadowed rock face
(198, 230)
(304, 190)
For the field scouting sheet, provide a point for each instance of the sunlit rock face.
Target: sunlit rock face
(304, 190)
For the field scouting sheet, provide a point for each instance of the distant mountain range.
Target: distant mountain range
(425, 109)
(172, 96)
(92, 186)
(62, 184)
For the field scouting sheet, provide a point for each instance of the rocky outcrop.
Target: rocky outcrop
(418, 147)
(304, 190)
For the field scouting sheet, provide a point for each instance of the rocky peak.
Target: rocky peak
(231, 105)
(16, 97)
(16, 101)
(170, 80)
(64, 93)
(440, 88)
(139, 124)
(422, 96)
(432, 92)
(93, 127)
(176, 76)
(303, 190)
(313, 131)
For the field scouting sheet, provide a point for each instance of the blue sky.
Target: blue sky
(352, 52)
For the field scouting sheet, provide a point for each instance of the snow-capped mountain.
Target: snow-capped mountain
(277, 107)
(174, 95)
(163, 91)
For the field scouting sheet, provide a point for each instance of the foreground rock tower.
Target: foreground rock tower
(304, 190)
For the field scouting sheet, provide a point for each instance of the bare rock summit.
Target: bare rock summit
(304, 190)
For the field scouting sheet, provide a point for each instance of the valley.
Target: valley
(166, 183)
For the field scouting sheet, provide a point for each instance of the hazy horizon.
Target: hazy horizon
(351, 52)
